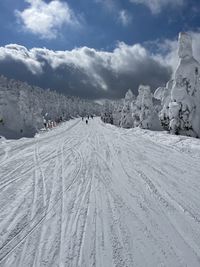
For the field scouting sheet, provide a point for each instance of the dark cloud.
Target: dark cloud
(85, 72)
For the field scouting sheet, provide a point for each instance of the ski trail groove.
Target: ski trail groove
(97, 195)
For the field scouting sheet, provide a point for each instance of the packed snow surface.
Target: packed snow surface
(97, 195)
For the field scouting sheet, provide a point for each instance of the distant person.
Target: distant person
(86, 121)
(88, 117)
(45, 123)
(82, 118)
(1, 121)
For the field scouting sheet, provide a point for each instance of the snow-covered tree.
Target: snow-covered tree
(127, 119)
(132, 111)
(143, 111)
(107, 113)
(23, 107)
(117, 112)
(181, 98)
(164, 95)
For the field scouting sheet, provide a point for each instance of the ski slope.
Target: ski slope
(96, 195)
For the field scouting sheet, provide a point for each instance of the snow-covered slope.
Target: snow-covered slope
(98, 195)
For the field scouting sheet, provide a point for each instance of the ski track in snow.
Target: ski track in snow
(96, 195)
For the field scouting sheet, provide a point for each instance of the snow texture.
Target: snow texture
(99, 195)
(126, 116)
(180, 99)
(134, 112)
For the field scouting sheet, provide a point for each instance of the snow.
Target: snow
(126, 120)
(180, 99)
(133, 111)
(99, 195)
(23, 108)
(144, 107)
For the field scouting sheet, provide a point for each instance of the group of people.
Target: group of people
(49, 124)
(87, 118)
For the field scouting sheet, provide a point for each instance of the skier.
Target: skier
(82, 118)
(86, 121)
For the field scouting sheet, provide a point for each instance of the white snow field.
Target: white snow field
(98, 195)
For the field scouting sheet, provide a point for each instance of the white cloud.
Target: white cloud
(124, 17)
(168, 50)
(46, 19)
(21, 54)
(167, 54)
(156, 6)
(86, 71)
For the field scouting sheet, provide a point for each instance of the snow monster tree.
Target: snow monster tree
(127, 118)
(143, 111)
(181, 98)
(164, 95)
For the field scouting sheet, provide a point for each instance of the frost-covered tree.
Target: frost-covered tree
(164, 95)
(126, 116)
(117, 112)
(133, 112)
(9, 108)
(30, 111)
(107, 113)
(143, 111)
(23, 107)
(181, 106)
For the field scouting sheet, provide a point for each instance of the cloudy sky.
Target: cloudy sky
(94, 48)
